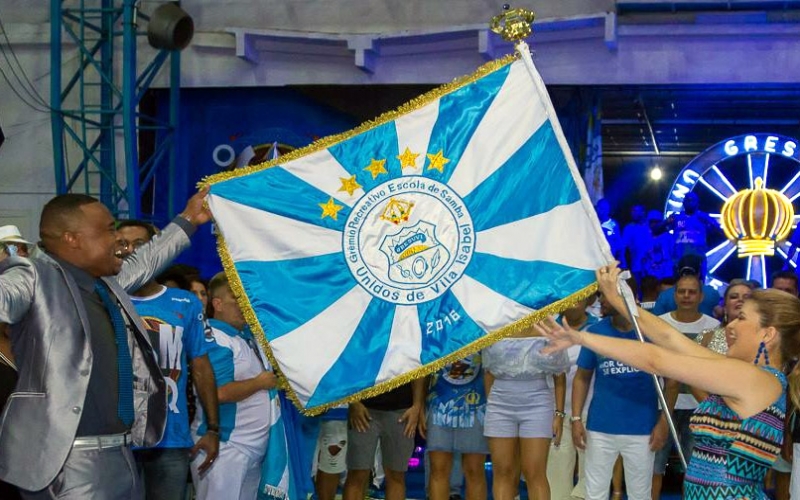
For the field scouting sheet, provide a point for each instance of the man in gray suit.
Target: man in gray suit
(80, 402)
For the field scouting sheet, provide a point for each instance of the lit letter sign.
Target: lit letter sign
(769, 144)
(683, 185)
(750, 143)
(763, 143)
(735, 146)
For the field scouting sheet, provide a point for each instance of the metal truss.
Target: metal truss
(95, 111)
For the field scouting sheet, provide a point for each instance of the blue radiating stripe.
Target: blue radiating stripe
(285, 294)
(359, 364)
(551, 281)
(277, 191)
(460, 113)
(446, 327)
(534, 180)
(356, 153)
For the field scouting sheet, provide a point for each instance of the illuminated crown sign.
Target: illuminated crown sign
(756, 219)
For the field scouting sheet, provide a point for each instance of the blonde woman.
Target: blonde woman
(738, 430)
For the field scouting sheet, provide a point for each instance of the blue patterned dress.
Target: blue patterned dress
(731, 456)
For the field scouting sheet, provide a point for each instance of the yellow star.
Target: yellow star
(376, 167)
(330, 209)
(349, 184)
(408, 159)
(438, 161)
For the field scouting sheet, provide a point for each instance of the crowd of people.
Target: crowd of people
(125, 377)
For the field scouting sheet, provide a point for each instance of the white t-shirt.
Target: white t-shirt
(691, 330)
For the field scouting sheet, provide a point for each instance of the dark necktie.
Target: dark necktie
(124, 368)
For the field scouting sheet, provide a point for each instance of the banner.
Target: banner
(377, 256)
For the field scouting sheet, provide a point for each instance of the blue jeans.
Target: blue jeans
(681, 419)
(165, 472)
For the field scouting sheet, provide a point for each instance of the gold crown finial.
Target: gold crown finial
(514, 24)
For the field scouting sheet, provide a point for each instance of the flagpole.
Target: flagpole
(633, 312)
(514, 25)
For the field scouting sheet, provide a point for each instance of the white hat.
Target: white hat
(11, 234)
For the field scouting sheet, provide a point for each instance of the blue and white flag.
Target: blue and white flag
(277, 482)
(377, 256)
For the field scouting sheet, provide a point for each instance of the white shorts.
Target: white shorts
(234, 475)
(332, 447)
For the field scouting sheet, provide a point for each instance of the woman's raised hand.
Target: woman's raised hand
(559, 337)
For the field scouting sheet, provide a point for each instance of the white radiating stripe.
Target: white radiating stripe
(324, 172)
(307, 353)
(514, 115)
(489, 309)
(252, 234)
(414, 132)
(405, 344)
(564, 235)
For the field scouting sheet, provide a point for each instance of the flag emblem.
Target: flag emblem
(415, 253)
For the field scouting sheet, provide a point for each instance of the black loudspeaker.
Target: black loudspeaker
(170, 28)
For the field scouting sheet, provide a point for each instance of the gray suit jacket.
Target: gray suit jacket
(50, 339)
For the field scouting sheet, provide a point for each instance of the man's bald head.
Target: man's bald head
(80, 230)
(62, 213)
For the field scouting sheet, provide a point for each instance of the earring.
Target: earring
(762, 348)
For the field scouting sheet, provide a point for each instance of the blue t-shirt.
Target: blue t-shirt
(659, 260)
(625, 400)
(691, 233)
(174, 321)
(457, 398)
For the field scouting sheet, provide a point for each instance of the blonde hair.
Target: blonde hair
(217, 284)
(781, 311)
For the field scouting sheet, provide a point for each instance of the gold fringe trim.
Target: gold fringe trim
(331, 140)
(521, 327)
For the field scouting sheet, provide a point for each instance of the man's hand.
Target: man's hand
(196, 212)
(660, 434)
(411, 417)
(267, 380)
(422, 423)
(359, 417)
(210, 446)
(579, 435)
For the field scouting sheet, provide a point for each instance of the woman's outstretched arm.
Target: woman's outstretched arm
(746, 388)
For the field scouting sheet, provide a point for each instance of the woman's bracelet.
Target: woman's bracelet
(559, 413)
